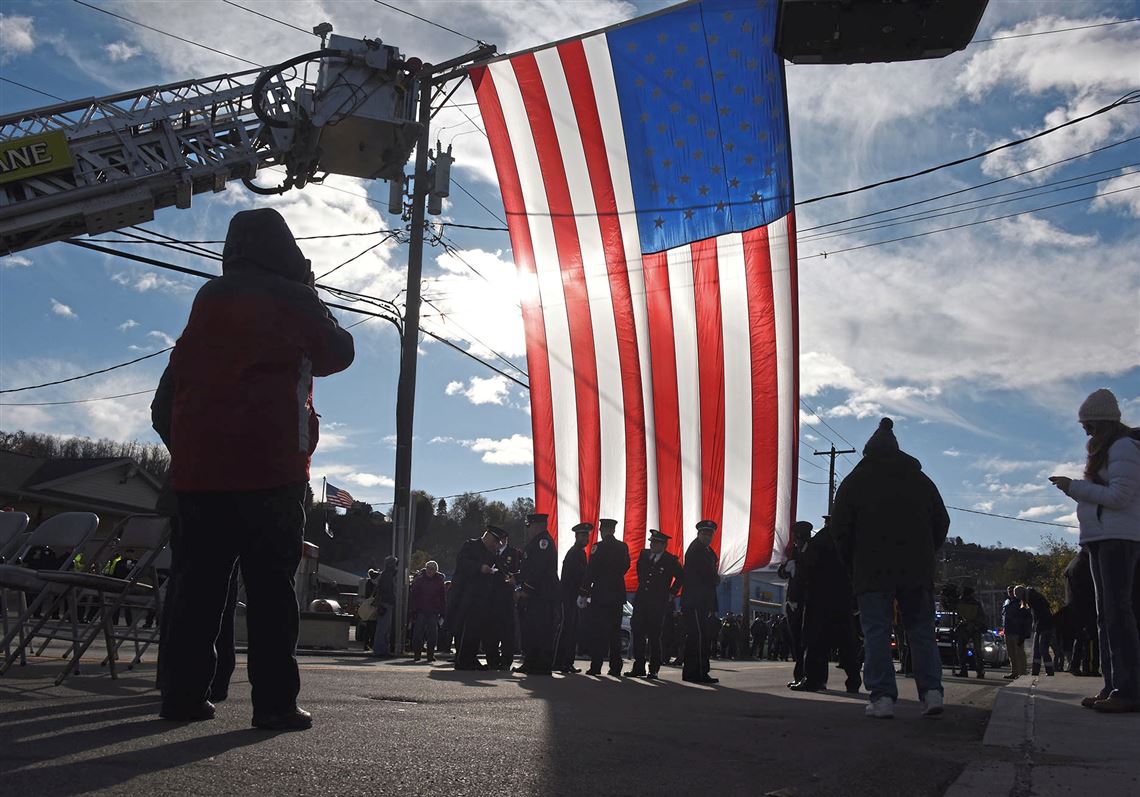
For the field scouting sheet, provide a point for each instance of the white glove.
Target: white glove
(793, 605)
(581, 601)
(790, 567)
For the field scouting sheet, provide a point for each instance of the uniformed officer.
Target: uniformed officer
(604, 589)
(659, 577)
(539, 599)
(470, 595)
(499, 634)
(573, 574)
(698, 604)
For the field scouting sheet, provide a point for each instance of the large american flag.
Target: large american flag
(646, 176)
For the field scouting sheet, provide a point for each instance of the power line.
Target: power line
(164, 33)
(476, 340)
(29, 88)
(1128, 99)
(825, 423)
(271, 19)
(1011, 517)
(360, 255)
(92, 373)
(428, 21)
(494, 215)
(1055, 30)
(480, 492)
(74, 401)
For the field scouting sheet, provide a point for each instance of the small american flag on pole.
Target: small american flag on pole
(646, 175)
(337, 497)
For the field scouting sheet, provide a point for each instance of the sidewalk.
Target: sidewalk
(1040, 742)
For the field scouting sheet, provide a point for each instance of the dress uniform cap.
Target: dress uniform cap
(583, 527)
(706, 525)
(607, 523)
(657, 536)
(536, 518)
(497, 532)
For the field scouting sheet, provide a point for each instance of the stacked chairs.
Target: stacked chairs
(65, 532)
(13, 525)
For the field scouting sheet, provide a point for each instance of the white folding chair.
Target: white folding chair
(143, 537)
(63, 532)
(153, 602)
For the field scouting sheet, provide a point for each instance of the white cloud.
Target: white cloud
(951, 452)
(130, 323)
(332, 441)
(453, 388)
(819, 371)
(514, 450)
(144, 281)
(15, 261)
(1034, 231)
(1001, 466)
(984, 506)
(370, 480)
(61, 309)
(1126, 201)
(17, 36)
(121, 51)
(480, 390)
(1038, 512)
(165, 339)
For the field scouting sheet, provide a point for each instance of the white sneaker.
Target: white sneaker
(883, 708)
(932, 704)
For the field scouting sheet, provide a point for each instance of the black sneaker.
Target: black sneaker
(296, 720)
(187, 713)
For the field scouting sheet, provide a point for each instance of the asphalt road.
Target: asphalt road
(402, 728)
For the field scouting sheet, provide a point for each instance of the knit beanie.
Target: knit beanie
(883, 440)
(1099, 406)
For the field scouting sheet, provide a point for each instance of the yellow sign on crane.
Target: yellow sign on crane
(21, 158)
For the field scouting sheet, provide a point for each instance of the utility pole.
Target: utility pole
(429, 78)
(831, 472)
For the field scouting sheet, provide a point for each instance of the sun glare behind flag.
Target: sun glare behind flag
(646, 175)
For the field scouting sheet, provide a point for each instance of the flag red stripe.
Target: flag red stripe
(666, 422)
(593, 142)
(569, 254)
(793, 465)
(710, 361)
(538, 365)
(765, 397)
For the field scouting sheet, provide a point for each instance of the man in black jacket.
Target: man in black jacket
(659, 577)
(500, 628)
(828, 616)
(794, 598)
(604, 588)
(539, 597)
(385, 609)
(698, 604)
(889, 520)
(573, 574)
(470, 594)
(1044, 629)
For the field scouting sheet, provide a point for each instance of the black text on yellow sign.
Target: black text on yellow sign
(21, 158)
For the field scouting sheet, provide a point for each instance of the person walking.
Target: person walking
(1044, 629)
(889, 520)
(539, 598)
(698, 604)
(659, 578)
(385, 609)
(235, 409)
(604, 588)
(427, 601)
(1017, 623)
(1108, 513)
(573, 575)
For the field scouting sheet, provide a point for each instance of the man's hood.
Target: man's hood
(260, 240)
(892, 460)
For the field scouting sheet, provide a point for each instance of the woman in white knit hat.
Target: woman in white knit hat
(1108, 511)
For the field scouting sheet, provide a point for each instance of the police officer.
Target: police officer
(604, 588)
(698, 604)
(539, 599)
(828, 617)
(659, 577)
(794, 603)
(499, 635)
(470, 595)
(573, 574)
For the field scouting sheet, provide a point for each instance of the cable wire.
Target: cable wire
(1011, 517)
(29, 88)
(84, 376)
(1055, 30)
(428, 21)
(271, 19)
(74, 401)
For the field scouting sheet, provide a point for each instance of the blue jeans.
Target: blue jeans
(876, 613)
(380, 646)
(1114, 564)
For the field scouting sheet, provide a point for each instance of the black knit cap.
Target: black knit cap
(883, 440)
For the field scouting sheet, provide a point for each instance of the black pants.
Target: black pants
(645, 626)
(539, 619)
(700, 630)
(499, 631)
(605, 636)
(826, 628)
(796, 639)
(566, 642)
(471, 617)
(261, 531)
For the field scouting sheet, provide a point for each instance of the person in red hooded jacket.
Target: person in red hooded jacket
(235, 409)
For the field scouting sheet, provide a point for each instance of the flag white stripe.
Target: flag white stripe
(552, 299)
(737, 510)
(611, 407)
(605, 93)
(785, 358)
(684, 306)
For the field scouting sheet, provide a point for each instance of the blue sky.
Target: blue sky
(980, 342)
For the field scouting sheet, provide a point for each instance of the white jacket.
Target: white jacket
(1111, 511)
